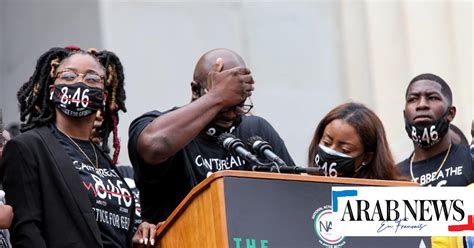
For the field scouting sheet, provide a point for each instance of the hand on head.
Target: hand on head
(232, 85)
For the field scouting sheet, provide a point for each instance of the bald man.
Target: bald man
(174, 150)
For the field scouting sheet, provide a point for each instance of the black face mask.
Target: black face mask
(334, 163)
(427, 135)
(77, 100)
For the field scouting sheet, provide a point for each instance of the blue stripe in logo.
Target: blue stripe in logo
(343, 193)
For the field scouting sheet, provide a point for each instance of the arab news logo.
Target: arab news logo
(323, 227)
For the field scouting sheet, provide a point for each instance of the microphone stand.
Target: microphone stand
(287, 169)
(237, 147)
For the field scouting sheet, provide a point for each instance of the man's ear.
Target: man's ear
(451, 113)
(195, 90)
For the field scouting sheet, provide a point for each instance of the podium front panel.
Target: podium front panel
(279, 214)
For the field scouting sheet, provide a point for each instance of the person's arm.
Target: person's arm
(169, 133)
(22, 192)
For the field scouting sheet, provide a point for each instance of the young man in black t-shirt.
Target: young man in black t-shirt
(173, 151)
(436, 160)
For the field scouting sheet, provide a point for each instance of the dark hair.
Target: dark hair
(37, 110)
(372, 134)
(445, 89)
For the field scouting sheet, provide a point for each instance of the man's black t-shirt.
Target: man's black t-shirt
(162, 187)
(110, 197)
(458, 170)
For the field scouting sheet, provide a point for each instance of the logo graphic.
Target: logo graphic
(403, 211)
(323, 227)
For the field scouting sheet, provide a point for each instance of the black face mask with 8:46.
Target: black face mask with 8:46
(77, 100)
(429, 134)
(333, 163)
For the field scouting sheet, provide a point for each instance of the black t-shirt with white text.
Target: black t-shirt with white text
(162, 187)
(458, 170)
(128, 175)
(110, 197)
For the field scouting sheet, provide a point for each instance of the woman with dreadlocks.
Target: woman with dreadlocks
(64, 189)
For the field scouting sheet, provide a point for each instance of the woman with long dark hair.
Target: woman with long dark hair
(350, 142)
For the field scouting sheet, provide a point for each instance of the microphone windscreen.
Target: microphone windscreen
(223, 137)
(253, 139)
(251, 142)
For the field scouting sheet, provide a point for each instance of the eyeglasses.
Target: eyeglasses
(242, 108)
(245, 107)
(70, 76)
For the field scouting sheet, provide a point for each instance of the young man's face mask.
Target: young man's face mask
(429, 134)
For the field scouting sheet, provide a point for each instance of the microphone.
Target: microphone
(289, 169)
(263, 149)
(237, 147)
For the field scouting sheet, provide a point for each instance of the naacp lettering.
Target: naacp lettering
(324, 230)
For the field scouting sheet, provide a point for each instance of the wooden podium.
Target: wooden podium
(254, 209)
